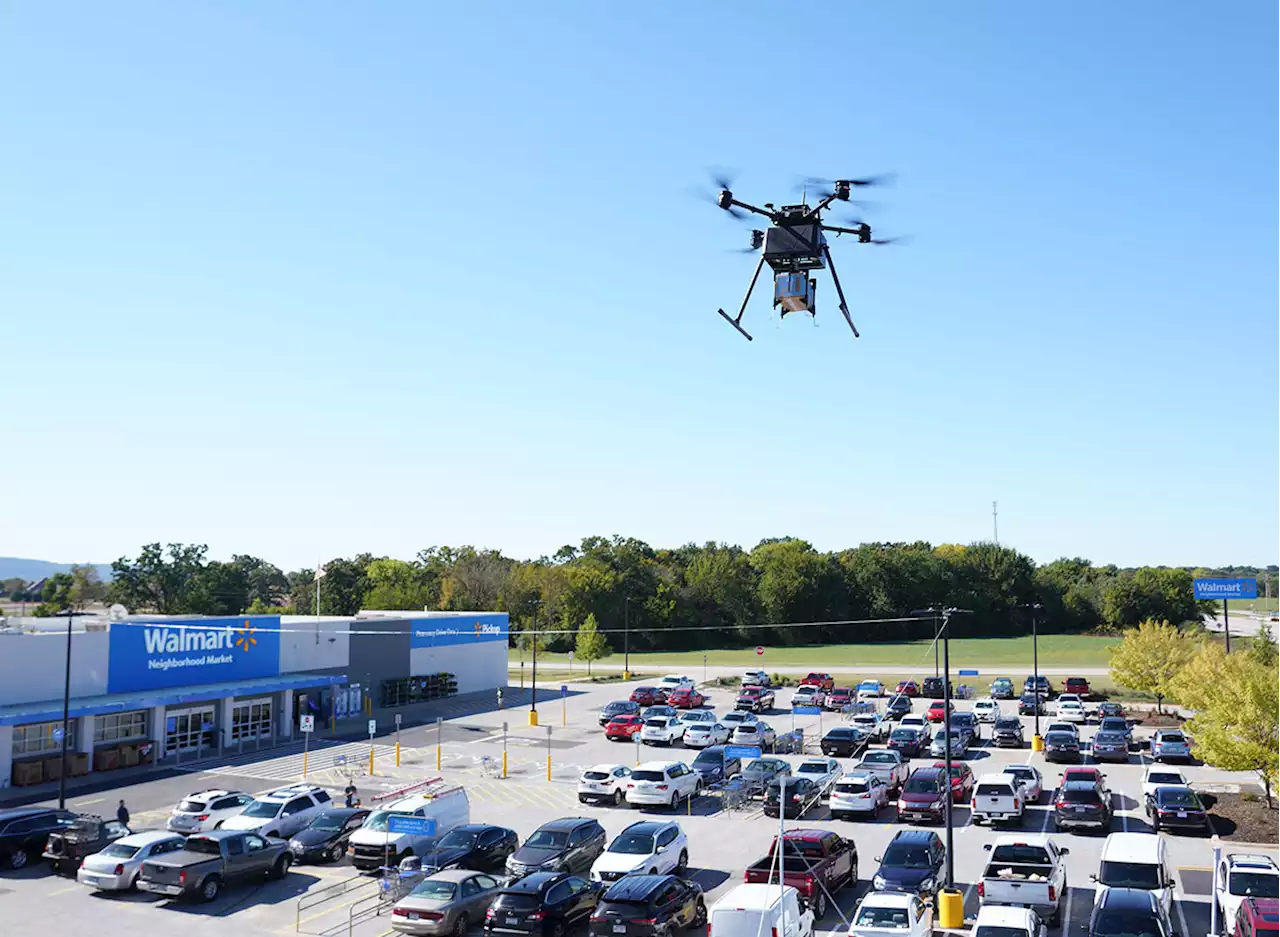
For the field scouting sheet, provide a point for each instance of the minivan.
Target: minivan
(1135, 860)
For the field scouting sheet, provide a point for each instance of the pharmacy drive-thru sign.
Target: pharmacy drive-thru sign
(187, 652)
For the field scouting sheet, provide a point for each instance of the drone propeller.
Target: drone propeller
(901, 239)
(885, 178)
(704, 195)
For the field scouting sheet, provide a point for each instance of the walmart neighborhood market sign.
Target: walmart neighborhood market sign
(189, 652)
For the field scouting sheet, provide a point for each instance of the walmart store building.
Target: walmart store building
(165, 690)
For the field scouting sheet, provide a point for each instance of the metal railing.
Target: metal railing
(318, 897)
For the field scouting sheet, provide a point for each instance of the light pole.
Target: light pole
(626, 638)
(533, 696)
(66, 712)
(1035, 609)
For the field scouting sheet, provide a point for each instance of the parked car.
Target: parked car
(374, 845)
(907, 688)
(957, 741)
(873, 724)
(1110, 746)
(734, 719)
(1177, 808)
(1008, 732)
(1026, 871)
(844, 741)
(542, 903)
(795, 801)
(807, 695)
(923, 797)
(1029, 705)
(1077, 685)
(755, 733)
(932, 688)
(1061, 746)
(756, 699)
(839, 698)
(760, 772)
(208, 861)
(609, 711)
(816, 863)
(662, 730)
(206, 810)
(1080, 803)
(822, 681)
(568, 845)
(676, 681)
(1072, 711)
(892, 913)
(937, 711)
(648, 695)
(604, 784)
(623, 728)
(1159, 776)
(446, 903)
(914, 721)
(1002, 688)
(65, 848)
(1068, 727)
(912, 863)
(859, 793)
(909, 741)
(1127, 911)
(1169, 745)
(325, 838)
(1029, 781)
(23, 831)
(481, 847)
(824, 772)
(1135, 860)
(662, 783)
(870, 689)
(986, 710)
(281, 812)
(756, 678)
(897, 706)
(703, 734)
(648, 847)
(1257, 917)
(661, 711)
(687, 698)
(713, 765)
(888, 765)
(649, 906)
(1039, 684)
(997, 798)
(968, 723)
(116, 867)
(1110, 709)
(754, 910)
(1116, 724)
(961, 780)
(1245, 875)
(1008, 921)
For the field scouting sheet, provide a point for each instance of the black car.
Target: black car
(844, 742)
(1124, 912)
(1111, 746)
(1110, 709)
(931, 688)
(801, 794)
(712, 765)
(912, 863)
(649, 906)
(759, 772)
(324, 839)
(480, 847)
(1029, 705)
(622, 707)
(897, 707)
(571, 844)
(1082, 803)
(543, 903)
(24, 831)
(1177, 808)
(910, 742)
(1061, 746)
(1007, 732)
(967, 722)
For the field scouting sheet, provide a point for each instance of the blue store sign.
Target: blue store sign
(189, 652)
(459, 629)
(1225, 588)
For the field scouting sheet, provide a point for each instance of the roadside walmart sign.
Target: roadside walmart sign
(449, 630)
(188, 652)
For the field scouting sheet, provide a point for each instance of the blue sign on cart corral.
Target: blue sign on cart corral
(807, 710)
(742, 751)
(968, 673)
(1222, 589)
(418, 826)
(564, 689)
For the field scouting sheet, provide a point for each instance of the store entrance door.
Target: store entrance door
(190, 730)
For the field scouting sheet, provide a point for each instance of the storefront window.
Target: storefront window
(251, 719)
(120, 727)
(418, 689)
(37, 738)
(185, 730)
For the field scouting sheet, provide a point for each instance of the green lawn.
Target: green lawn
(1011, 656)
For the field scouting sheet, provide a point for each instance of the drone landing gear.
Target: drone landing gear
(844, 308)
(743, 308)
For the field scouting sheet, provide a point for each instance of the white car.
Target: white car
(915, 721)
(808, 696)
(604, 784)
(858, 793)
(116, 867)
(649, 847)
(702, 734)
(676, 681)
(754, 733)
(737, 718)
(206, 810)
(662, 783)
(1160, 776)
(281, 812)
(1029, 779)
(1072, 711)
(823, 772)
(870, 689)
(690, 716)
(892, 912)
(874, 724)
(1061, 726)
(1244, 875)
(1009, 922)
(986, 709)
(662, 730)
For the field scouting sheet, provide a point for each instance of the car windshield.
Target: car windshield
(658, 723)
(901, 856)
(1109, 738)
(262, 808)
(203, 845)
(1144, 875)
(923, 785)
(903, 735)
(1255, 884)
(634, 844)
(514, 901)
(1059, 738)
(1172, 737)
(995, 789)
(1020, 854)
(888, 918)
(1021, 772)
(840, 734)
(1125, 924)
(810, 767)
(435, 890)
(594, 776)
(329, 822)
(377, 822)
(1085, 796)
(1165, 777)
(737, 717)
(856, 786)
(759, 766)
(645, 774)
(616, 707)
(458, 839)
(1007, 722)
(121, 851)
(191, 806)
(879, 758)
(1177, 797)
(699, 716)
(709, 758)
(1028, 697)
(550, 839)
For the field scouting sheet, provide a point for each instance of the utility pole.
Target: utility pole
(1035, 609)
(66, 712)
(995, 526)
(533, 697)
(626, 638)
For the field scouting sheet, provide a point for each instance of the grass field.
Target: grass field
(986, 654)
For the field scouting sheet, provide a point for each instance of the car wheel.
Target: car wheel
(335, 852)
(461, 926)
(18, 859)
(682, 865)
(556, 929)
(617, 798)
(820, 904)
(675, 800)
(699, 915)
(210, 888)
(281, 868)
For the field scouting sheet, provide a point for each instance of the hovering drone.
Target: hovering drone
(795, 244)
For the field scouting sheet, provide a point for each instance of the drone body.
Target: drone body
(794, 246)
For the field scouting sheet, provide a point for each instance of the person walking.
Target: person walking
(122, 814)
(349, 790)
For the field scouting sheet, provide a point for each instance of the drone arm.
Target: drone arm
(844, 308)
(822, 206)
(736, 322)
(839, 230)
(759, 211)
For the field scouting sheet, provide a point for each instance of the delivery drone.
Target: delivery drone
(794, 245)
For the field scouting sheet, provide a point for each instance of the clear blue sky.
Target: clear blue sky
(307, 281)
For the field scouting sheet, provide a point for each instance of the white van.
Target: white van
(374, 846)
(752, 910)
(1135, 860)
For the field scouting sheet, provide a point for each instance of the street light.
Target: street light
(626, 638)
(1035, 609)
(66, 713)
(533, 697)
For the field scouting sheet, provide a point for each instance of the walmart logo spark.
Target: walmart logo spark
(246, 639)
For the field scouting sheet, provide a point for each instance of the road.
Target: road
(712, 672)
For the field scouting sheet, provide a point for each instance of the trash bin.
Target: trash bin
(1037, 743)
(950, 908)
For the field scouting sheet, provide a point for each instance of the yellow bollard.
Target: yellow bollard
(304, 766)
(397, 754)
(439, 757)
(533, 717)
(626, 675)
(370, 761)
(950, 908)
(1037, 743)
(548, 767)
(504, 764)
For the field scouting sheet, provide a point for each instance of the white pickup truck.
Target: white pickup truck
(997, 798)
(1026, 872)
(996, 921)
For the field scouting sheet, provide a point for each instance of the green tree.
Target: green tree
(1262, 648)
(56, 597)
(591, 644)
(1150, 657)
(87, 588)
(15, 589)
(159, 580)
(395, 584)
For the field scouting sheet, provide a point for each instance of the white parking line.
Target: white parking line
(1182, 917)
(1066, 913)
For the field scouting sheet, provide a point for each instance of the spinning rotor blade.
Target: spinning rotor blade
(901, 239)
(703, 195)
(721, 177)
(885, 178)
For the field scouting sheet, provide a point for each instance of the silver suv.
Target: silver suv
(282, 812)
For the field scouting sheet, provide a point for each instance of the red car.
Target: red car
(1077, 685)
(649, 695)
(686, 698)
(937, 711)
(908, 688)
(1257, 917)
(1089, 775)
(839, 697)
(623, 727)
(961, 781)
(824, 680)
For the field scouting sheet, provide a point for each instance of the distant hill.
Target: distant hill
(31, 570)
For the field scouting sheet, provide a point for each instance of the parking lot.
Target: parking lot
(470, 753)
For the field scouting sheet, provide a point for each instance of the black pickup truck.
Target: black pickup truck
(85, 836)
(211, 860)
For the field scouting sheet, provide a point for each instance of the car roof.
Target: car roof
(656, 765)
(1001, 778)
(928, 771)
(922, 837)
(604, 767)
(453, 875)
(887, 899)
(1131, 847)
(412, 802)
(566, 823)
(211, 793)
(534, 882)
(1247, 860)
(146, 838)
(16, 813)
(1129, 899)
(288, 793)
(635, 887)
(650, 827)
(1081, 786)
(479, 827)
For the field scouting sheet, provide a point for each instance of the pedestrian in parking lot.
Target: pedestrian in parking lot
(350, 791)
(122, 814)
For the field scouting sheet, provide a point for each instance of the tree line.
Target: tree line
(709, 595)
